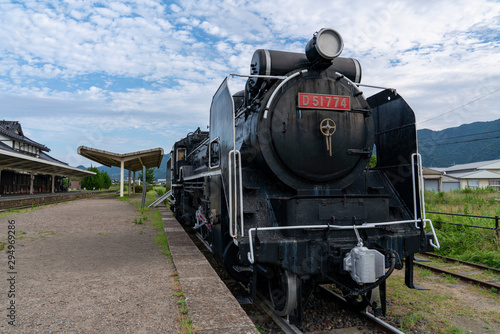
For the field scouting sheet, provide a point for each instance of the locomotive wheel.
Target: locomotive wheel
(230, 259)
(283, 287)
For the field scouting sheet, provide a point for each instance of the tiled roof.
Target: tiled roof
(13, 130)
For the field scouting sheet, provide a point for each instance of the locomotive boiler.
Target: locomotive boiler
(281, 188)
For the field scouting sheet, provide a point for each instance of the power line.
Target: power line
(469, 135)
(463, 105)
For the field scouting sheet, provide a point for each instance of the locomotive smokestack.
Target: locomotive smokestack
(326, 45)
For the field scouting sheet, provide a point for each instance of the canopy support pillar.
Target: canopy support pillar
(32, 177)
(122, 167)
(134, 184)
(129, 182)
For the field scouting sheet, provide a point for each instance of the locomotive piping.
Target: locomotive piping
(278, 88)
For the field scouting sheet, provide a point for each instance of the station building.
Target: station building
(25, 166)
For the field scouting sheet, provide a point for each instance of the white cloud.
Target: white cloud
(145, 64)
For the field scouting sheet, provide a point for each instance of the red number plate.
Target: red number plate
(321, 101)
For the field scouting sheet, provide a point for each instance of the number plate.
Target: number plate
(322, 101)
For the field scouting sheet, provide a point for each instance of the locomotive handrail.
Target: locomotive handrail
(379, 87)
(354, 84)
(234, 234)
(420, 180)
(197, 147)
(437, 245)
(278, 77)
(251, 257)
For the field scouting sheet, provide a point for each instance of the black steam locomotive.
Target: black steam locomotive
(281, 188)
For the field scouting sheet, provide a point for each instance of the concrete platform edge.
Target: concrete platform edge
(215, 310)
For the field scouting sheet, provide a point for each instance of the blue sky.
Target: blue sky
(131, 75)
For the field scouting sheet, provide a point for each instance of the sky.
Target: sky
(125, 76)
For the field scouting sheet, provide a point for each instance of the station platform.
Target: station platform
(212, 307)
(25, 200)
(86, 266)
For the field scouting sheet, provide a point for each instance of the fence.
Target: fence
(496, 218)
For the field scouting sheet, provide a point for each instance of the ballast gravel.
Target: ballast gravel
(84, 267)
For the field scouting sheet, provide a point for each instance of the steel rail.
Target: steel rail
(449, 259)
(283, 323)
(483, 284)
(366, 314)
(47, 196)
(22, 207)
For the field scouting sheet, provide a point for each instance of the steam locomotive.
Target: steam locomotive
(281, 188)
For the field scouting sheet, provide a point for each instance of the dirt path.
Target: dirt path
(84, 266)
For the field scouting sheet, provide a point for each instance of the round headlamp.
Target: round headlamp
(326, 45)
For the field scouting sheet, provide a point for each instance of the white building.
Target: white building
(472, 175)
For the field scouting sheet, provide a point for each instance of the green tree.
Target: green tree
(373, 162)
(104, 180)
(100, 180)
(150, 175)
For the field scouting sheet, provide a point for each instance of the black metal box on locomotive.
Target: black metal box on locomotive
(280, 187)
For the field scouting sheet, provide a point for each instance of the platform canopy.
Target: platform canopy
(10, 160)
(133, 161)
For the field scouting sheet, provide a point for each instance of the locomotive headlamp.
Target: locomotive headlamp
(326, 45)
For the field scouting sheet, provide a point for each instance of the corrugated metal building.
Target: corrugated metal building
(472, 175)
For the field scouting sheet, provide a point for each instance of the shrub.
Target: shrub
(138, 189)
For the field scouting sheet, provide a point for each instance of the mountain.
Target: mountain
(478, 141)
(114, 172)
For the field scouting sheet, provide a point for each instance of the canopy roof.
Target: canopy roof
(132, 161)
(10, 160)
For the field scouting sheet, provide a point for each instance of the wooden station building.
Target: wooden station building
(25, 166)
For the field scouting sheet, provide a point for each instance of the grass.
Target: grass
(422, 311)
(160, 190)
(466, 243)
(185, 322)
(153, 216)
(9, 212)
(43, 234)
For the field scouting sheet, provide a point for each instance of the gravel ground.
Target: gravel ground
(321, 315)
(83, 267)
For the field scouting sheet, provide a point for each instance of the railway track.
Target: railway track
(327, 312)
(377, 325)
(19, 207)
(483, 276)
(34, 201)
